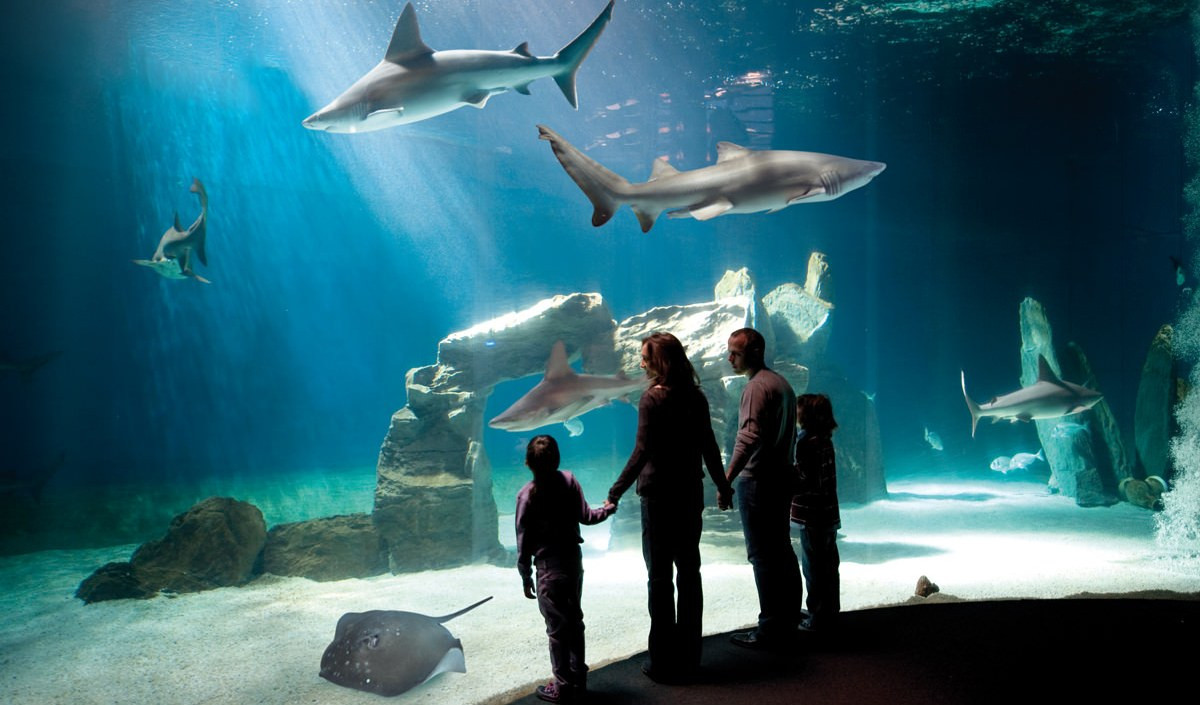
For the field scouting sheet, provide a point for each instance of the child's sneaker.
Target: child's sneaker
(551, 693)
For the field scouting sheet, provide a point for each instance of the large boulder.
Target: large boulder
(1107, 447)
(329, 548)
(214, 544)
(112, 581)
(1156, 396)
(799, 315)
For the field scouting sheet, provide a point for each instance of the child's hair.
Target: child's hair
(541, 456)
(814, 413)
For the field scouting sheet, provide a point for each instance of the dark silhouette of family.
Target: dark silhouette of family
(782, 469)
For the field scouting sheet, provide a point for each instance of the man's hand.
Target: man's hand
(529, 593)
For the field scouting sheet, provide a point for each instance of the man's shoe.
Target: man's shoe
(755, 639)
(662, 675)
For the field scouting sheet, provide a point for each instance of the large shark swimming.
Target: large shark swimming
(1047, 398)
(173, 258)
(742, 181)
(414, 82)
(562, 395)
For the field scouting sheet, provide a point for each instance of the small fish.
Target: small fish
(1066, 429)
(1002, 464)
(933, 439)
(1180, 272)
(1022, 461)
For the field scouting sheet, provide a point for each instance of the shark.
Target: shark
(414, 82)
(562, 395)
(742, 181)
(173, 258)
(26, 366)
(29, 481)
(1047, 398)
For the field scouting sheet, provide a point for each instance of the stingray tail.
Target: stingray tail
(448, 617)
(573, 54)
(603, 188)
(971, 405)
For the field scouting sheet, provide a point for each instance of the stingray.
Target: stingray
(389, 652)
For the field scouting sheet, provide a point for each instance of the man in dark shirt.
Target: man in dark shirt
(762, 461)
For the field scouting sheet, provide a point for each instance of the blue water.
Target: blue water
(339, 261)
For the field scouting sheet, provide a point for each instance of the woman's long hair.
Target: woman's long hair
(667, 358)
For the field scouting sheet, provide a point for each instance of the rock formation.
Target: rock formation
(214, 544)
(1107, 446)
(433, 497)
(1156, 397)
(330, 548)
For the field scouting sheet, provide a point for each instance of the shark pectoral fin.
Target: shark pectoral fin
(382, 111)
(708, 211)
(815, 191)
(1023, 417)
(477, 100)
(574, 426)
(646, 218)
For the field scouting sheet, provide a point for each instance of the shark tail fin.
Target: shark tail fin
(971, 405)
(602, 187)
(573, 54)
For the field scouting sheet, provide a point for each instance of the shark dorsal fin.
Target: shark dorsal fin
(1045, 373)
(522, 49)
(406, 44)
(729, 150)
(661, 168)
(557, 365)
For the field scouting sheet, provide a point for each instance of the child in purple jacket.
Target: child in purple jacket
(550, 509)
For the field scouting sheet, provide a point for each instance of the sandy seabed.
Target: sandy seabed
(262, 643)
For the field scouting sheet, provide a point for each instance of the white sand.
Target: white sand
(263, 643)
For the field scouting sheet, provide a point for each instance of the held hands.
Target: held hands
(725, 499)
(609, 508)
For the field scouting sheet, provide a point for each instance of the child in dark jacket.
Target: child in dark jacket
(550, 509)
(815, 510)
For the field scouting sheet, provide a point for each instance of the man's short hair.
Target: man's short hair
(756, 345)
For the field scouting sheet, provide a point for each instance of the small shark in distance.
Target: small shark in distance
(414, 82)
(30, 482)
(742, 181)
(173, 258)
(563, 395)
(1047, 398)
(26, 366)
